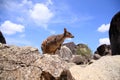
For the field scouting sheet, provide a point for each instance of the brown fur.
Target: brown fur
(52, 43)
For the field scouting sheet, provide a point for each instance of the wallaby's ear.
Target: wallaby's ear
(65, 30)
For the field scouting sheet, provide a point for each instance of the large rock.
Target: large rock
(16, 63)
(114, 34)
(106, 68)
(2, 38)
(26, 63)
(65, 53)
(78, 59)
(102, 50)
(53, 67)
(72, 46)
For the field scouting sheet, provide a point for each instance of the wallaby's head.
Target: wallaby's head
(67, 34)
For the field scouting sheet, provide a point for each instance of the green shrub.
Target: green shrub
(83, 50)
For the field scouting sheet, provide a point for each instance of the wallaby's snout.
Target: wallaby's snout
(72, 37)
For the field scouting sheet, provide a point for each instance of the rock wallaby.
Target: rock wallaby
(114, 34)
(54, 42)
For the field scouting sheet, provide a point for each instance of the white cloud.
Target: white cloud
(29, 12)
(104, 28)
(41, 14)
(11, 28)
(104, 41)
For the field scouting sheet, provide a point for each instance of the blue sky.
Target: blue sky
(29, 22)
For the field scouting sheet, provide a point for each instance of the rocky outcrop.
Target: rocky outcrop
(114, 34)
(2, 38)
(81, 53)
(79, 49)
(66, 54)
(102, 50)
(26, 63)
(106, 68)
